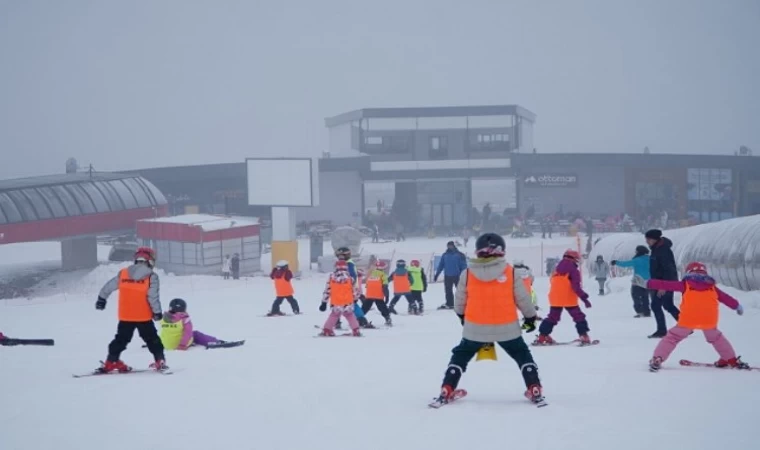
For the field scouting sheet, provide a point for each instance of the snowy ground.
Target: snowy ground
(287, 390)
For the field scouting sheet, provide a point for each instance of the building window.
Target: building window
(373, 140)
(490, 142)
(439, 147)
(387, 144)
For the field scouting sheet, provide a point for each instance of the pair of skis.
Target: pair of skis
(98, 373)
(689, 363)
(459, 394)
(11, 342)
(574, 342)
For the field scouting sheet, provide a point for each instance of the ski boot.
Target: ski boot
(356, 332)
(447, 393)
(657, 335)
(544, 339)
(368, 326)
(442, 307)
(388, 322)
(275, 314)
(326, 333)
(601, 291)
(392, 308)
(159, 366)
(733, 363)
(655, 364)
(110, 366)
(584, 340)
(536, 395)
(420, 308)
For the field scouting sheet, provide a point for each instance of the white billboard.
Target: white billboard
(280, 181)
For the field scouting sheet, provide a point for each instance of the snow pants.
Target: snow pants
(677, 334)
(660, 303)
(449, 283)
(417, 298)
(292, 301)
(381, 306)
(397, 297)
(203, 339)
(640, 298)
(555, 313)
(345, 311)
(601, 282)
(517, 349)
(124, 333)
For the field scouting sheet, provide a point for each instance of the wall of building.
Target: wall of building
(597, 191)
(340, 199)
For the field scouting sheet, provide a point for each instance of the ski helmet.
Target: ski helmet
(400, 263)
(145, 255)
(343, 253)
(572, 254)
(599, 258)
(489, 245)
(382, 265)
(696, 267)
(177, 305)
(282, 263)
(414, 263)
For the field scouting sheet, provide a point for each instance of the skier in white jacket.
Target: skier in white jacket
(226, 267)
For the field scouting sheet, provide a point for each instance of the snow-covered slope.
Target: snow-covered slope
(286, 390)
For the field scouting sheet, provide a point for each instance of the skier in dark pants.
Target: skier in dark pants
(139, 306)
(452, 263)
(488, 298)
(662, 266)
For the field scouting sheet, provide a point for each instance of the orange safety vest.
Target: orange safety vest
(401, 284)
(561, 294)
(491, 302)
(375, 287)
(341, 294)
(699, 309)
(133, 299)
(283, 287)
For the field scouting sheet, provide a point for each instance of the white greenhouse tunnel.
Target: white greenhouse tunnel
(730, 249)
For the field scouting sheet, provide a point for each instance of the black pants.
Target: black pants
(658, 304)
(293, 304)
(381, 306)
(397, 297)
(124, 333)
(517, 349)
(448, 286)
(640, 300)
(417, 297)
(226, 275)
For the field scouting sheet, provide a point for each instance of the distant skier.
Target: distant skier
(419, 284)
(282, 276)
(601, 271)
(377, 292)
(662, 266)
(564, 291)
(699, 311)
(640, 265)
(487, 300)
(340, 293)
(226, 267)
(344, 254)
(139, 306)
(402, 286)
(177, 332)
(452, 263)
(525, 275)
(235, 266)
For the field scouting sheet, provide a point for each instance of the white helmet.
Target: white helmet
(282, 263)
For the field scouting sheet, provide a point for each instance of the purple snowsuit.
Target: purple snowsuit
(189, 336)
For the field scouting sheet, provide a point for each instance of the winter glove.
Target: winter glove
(157, 316)
(740, 310)
(529, 324)
(461, 318)
(613, 262)
(639, 281)
(100, 304)
(323, 307)
(586, 303)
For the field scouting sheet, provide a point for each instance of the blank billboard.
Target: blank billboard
(280, 181)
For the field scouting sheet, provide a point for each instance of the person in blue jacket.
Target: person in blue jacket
(640, 265)
(452, 264)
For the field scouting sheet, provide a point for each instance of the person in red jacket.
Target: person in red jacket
(699, 311)
(282, 276)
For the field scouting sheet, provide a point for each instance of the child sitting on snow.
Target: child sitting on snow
(177, 329)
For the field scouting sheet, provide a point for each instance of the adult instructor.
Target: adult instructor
(662, 266)
(452, 264)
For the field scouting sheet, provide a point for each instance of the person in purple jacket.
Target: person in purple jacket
(177, 331)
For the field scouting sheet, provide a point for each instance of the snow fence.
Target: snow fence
(729, 248)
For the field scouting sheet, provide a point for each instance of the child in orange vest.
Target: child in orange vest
(402, 285)
(282, 275)
(564, 291)
(377, 292)
(341, 294)
(699, 311)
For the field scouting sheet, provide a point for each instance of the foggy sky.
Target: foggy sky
(136, 84)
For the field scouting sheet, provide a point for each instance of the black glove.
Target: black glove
(613, 262)
(323, 306)
(461, 318)
(529, 324)
(100, 304)
(157, 316)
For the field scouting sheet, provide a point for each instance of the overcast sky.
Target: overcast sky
(136, 84)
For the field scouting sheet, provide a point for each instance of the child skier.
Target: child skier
(340, 292)
(640, 295)
(419, 284)
(139, 305)
(699, 311)
(377, 292)
(402, 285)
(283, 287)
(344, 254)
(487, 299)
(524, 273)
(601, 271)
(177, 331)
(564, 291)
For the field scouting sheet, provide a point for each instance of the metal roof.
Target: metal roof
(72, 195)
(430, 111)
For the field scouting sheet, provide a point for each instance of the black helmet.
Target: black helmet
(400, 263)
(489, 244)
(343, 253)
(177, 305)
(641, 250)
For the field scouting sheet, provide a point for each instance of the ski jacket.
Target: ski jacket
(492, 317)
(600, 270)
(419, 280)
(402, 281)
(377, 285)
(699, 304)
(339, 290)
(452, 263)
(282, 285)
(176, 331)
(662, 262)
(226, 265)
(565, 285)
(640, 265)
(138, 288)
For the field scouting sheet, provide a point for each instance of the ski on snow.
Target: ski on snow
(10, 342)
(97, 373)
(459, 394)
(575, 342)
(688, 363)
(224, 344)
